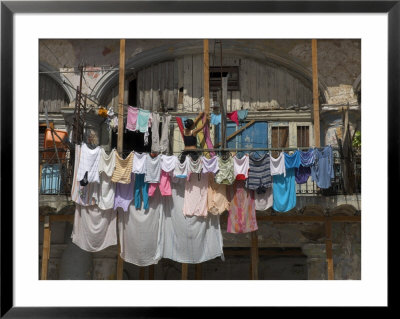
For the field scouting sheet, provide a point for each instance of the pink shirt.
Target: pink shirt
(132, 118)
(195, 200)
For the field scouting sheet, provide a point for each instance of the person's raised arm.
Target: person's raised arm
(197, 130)
(198, 118)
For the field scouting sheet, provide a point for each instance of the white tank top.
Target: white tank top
(168, 163)
(277, 165)
(107, 162)
(241, 167)
(139, 161)
(89, 162)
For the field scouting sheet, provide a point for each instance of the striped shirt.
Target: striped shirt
(259, 174)
(123, 169)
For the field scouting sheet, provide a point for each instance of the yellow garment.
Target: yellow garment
(217, 201)
(201, 140)
(123, 169)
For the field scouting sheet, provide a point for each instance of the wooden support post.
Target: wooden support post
(206, 77)
(254, 255)
(315, 93)
(120, 264)
(121, 94)
(328, 243)
(223, 110)
(142, 272)
(151, 272)
(46, 247)
(199, 271)
(120, 140)
(184, 271)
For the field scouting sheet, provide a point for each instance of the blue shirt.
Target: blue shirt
(292, 161)
(322, 169)
(284, 191)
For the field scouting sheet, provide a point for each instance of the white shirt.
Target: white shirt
(277, 165)
(138, 165)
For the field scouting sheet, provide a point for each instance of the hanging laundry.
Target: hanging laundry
(277, 165)
(195, 202)
(322, 170)
(160, 145)
(233, 116)
(123, 169)
(210, 165)
(82, 195)
(180, 125)
(124, 194)
(302, 174)
(292, 161)
(107, 186)
(89, 163)
(304, 171)
(242, 213)
(215, 119)
(307, 158)
(132, 118)
(241, 167)
(141, 233)
(259, 178)
(265, 200)
(107, 162)
(94, 229)
(142, 124)
(284, 191)
(225, 174)
(139, 163)
(207, 136)
(164, 185)
(217, 202)
(190, 240)
(141, 192)
(182, 169)
(106, 192)
(168, 163)
(242, 115)
(153, 169)
(195, 166)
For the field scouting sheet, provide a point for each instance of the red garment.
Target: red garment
(233, 116)
(179, 121)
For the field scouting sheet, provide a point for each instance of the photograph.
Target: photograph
(199, 159)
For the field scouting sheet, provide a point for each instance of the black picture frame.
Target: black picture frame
(9, 8)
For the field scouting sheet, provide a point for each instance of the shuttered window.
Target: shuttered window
(279, 138)
(303, 136)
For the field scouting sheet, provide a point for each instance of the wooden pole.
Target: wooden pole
(184, 271)
(206, 66)
(151, 272)
(121, 96)
(223, 110)
(199, 271)
(328, 243)
(120, 141)
(254, 255)
(46, 247)
(315, 93)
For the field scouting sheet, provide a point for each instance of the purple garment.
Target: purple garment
(307, 158)
(124, 194)
(302, 174)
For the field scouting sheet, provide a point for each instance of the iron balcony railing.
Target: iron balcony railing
(55, 171)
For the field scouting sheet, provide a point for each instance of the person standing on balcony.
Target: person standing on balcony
(189, 137)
